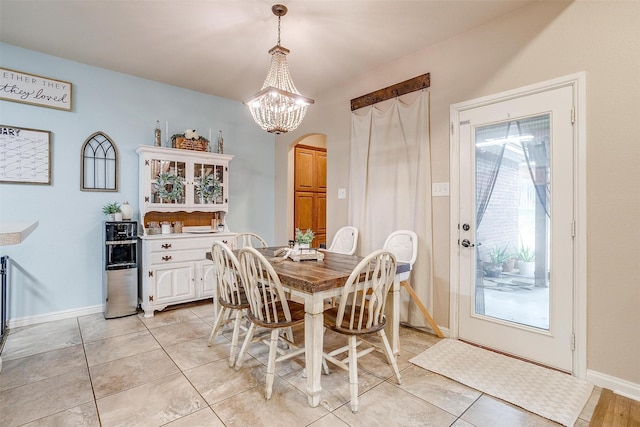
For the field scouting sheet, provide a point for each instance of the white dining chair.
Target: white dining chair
(404, 245)
(269, 309)
(345, 241)
(251, 240)
(361, 312)
(231, 296)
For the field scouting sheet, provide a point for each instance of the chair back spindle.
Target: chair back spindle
(365, 293)
(227, 274)
(267, 298)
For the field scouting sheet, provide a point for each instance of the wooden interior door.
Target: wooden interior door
(310, 198)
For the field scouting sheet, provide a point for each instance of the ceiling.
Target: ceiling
(220, 47)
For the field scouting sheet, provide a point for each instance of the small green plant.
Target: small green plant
(500, 254)
(306, 237)
(111, 208)
(526, 254)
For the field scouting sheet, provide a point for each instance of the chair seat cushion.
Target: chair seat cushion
(297, 316)
(330, 322)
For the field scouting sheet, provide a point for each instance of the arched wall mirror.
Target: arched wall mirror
(99, 164)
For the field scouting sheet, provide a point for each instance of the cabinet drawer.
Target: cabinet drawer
(185, 244)
(168, 257)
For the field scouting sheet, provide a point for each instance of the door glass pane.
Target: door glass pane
(512, 220)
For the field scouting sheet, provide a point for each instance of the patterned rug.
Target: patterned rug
(548, 393)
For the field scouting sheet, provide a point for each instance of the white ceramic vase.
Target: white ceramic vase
(127, 211)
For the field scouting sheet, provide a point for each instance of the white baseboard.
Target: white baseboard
(445, 331)
(427, 328)
(617, 385)
(51, 317)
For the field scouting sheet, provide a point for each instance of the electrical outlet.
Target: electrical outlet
(342, 193)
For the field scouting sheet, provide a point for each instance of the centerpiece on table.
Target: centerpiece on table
(190, 140)
(304, 239)
(208, 188)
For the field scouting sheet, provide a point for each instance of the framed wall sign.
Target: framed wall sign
(36, 90)
(25, 155)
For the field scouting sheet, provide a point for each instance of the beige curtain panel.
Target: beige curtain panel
(390, 184)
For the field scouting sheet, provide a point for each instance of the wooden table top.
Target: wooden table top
(316, 276)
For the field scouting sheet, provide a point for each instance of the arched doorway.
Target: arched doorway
(309, 186)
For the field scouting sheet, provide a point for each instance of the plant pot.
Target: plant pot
(492, 269)
(526, 268)
(508, 265)
(111, 217)
(117, 216)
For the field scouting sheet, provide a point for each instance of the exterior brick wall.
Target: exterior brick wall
(499, 227)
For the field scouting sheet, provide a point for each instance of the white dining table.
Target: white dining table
(316, 281)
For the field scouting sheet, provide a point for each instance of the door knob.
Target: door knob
(467, 244)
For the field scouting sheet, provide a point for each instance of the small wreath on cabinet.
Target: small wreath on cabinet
(208, 187)
(169, 186)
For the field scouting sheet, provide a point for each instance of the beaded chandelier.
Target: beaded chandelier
(278, 107)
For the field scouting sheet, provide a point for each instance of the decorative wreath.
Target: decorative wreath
(208, 187)
(169, 186)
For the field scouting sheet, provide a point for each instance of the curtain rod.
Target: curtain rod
(398, 89)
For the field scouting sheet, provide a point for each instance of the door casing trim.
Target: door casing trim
(578, 82)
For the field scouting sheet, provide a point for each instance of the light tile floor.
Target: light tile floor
(133, 371)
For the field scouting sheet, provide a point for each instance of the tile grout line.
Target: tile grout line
(86, 361)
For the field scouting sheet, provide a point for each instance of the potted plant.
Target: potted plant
(526, 258)
(303, 240)
(112, 210)
(498, 256)
(504, 256)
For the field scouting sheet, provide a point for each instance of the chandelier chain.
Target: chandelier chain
(279, 30)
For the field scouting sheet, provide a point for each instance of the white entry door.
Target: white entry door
(516, 225)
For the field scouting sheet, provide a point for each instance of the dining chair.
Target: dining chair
(345, 241)
(404, 245)
(251, 240)
(270, 309)
(231, 295)
(361, 312)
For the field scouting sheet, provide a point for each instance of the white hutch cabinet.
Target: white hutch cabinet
(174, 266)
(191, 168)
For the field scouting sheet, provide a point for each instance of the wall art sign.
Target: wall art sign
(25, 155)
(35, 90)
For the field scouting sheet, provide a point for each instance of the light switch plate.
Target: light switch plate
(342, 193)
(440, 189)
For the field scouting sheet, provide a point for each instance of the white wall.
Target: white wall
(58, 267)
(539, 42)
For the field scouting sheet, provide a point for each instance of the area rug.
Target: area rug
(548, 393)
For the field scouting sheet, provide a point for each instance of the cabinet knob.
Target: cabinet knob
(166, 258)
(166, 245)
